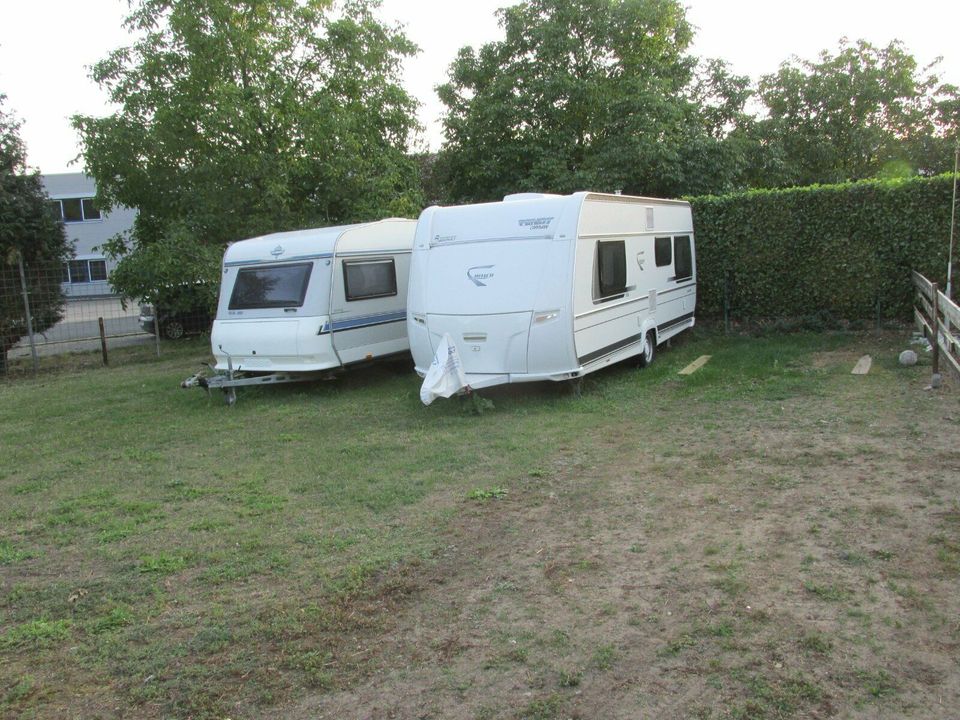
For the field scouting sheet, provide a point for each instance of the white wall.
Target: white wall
(88, 235)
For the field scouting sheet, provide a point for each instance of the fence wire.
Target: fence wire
(65, 319)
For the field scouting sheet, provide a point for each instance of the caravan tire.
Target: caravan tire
(649, 349)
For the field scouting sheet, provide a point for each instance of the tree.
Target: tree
(242, 117)
(593, 94)
(864, 112)
(28, 233)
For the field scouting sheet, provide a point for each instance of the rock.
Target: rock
(908, 358)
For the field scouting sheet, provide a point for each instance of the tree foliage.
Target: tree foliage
(597, 94)
(242, 117)
(29, 232)
(863, 112)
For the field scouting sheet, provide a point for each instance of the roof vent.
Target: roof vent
(528, 196)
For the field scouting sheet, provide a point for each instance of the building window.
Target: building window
(611, 269)
(74, 210)
(365, 279)
(90, 212)
(661, 250)
(684, 258)
(275, 286)
(84, 271)
(98, 270)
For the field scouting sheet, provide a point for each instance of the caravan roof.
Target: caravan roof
(306, 244)
(524, 216)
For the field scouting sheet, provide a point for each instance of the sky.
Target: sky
(47, 47)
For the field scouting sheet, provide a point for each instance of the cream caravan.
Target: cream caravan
(296, 305)
(547, 287)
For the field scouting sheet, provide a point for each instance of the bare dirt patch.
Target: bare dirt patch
(767, 558)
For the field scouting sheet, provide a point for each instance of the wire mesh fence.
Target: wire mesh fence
(44, 316)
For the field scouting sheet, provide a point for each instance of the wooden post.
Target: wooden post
(935, 325)
(103, 342)
(29, 317)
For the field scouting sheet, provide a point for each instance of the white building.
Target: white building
(71, 199)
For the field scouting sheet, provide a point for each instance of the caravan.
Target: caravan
(296, 305)
(547, 287)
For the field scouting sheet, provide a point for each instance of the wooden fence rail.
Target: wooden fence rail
(938, 317)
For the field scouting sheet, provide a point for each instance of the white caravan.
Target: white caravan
(548, 287)
(296, 305)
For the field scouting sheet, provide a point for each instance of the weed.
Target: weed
(675, 647)
(570, 678)
(481, 494)
(37, 633)
(20, 691)
(828, 593)
(878, 684)
(10, 554)
(162, 564)
(603, 657)
(542, 709)
(816, 643)
(115, 618)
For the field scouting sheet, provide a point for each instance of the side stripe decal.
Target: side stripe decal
(363, 322)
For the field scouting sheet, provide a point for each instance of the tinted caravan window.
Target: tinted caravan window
(684, 260)
(270, 287)
(661, 250)
(363, 279)
(611, 268)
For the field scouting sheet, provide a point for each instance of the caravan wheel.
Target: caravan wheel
(649, 349)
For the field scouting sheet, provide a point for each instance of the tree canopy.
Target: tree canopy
(242, 117)
(28, 232)
(598, 94)
(863, 112)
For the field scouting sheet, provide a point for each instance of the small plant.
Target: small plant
(473, 404)
(570, 678)
(543, 709)
(162, 564)
(830, 593)
(37, 633)
(816, 643)
(21, 690)
(878, 683)
(482, 495)
(604, 656)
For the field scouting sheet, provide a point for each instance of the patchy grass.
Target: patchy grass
(755, 540)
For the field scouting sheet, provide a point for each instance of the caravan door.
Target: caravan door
(368, 308)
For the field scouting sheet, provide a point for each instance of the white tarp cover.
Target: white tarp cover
(445, 376)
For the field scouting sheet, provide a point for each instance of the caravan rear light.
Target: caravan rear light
(543, 317)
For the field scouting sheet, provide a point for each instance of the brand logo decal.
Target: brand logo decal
(277, 251)
(538, 223)
(480, 273)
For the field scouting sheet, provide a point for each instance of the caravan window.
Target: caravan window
(611, 268)
(684, 259)
(661, 251)
(270, 287)
(364, 279)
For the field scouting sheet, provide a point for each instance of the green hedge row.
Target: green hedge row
(838, 249)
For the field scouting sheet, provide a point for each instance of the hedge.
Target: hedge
(842, 250)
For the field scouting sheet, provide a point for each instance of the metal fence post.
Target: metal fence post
(26, 309)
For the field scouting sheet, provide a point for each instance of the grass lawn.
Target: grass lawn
(769, 537)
